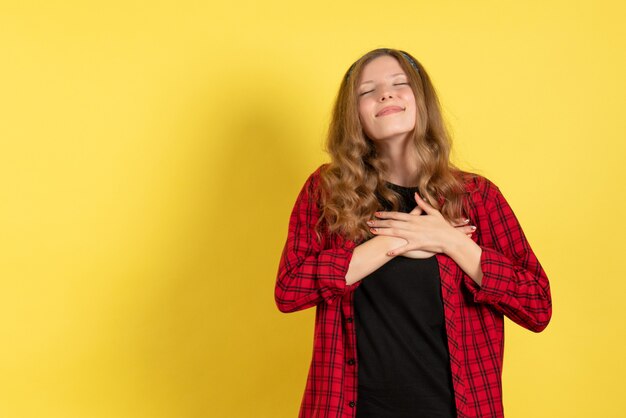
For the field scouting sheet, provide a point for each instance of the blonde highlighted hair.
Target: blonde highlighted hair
(355, 176)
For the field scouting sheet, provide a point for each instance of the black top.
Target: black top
(403, 359)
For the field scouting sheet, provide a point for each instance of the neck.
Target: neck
(400, 158)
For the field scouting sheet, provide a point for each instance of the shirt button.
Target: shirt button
(351, 404)
(351, 361)
(349, 319)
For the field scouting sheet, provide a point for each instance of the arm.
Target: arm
(307, 274)
(505, 273)
(466, 254)
(513, 281)
(431, 234)
(369, 256)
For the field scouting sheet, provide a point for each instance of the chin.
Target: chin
(392, 134)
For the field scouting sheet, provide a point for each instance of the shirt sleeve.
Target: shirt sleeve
(307, 273)
(513, 282)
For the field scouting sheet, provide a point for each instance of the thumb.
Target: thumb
(416, 211)
(421, 203)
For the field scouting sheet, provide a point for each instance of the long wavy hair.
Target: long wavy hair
(353, 181)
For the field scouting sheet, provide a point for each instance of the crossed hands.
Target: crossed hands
(425, 235)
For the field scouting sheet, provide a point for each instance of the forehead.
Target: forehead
(384, 66)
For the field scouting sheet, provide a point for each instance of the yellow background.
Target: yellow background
(151, 152)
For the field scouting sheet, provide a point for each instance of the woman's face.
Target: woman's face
(386, 101)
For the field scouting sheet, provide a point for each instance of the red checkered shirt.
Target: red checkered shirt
(312, 273)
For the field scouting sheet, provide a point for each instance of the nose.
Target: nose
(385, 96)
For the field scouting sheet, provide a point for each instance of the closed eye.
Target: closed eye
(395, 84)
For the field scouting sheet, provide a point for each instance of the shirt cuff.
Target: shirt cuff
(497, 274)
(333, 265)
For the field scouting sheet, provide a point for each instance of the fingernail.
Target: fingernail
(373, 229)
(370, 223)
(473, 227)
(466, 220)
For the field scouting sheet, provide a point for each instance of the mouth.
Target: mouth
(389, 110)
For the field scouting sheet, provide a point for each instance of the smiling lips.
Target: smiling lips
(389, 110)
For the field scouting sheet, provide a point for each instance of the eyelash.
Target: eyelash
(396, 84)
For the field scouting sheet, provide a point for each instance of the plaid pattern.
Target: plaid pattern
(312, 273)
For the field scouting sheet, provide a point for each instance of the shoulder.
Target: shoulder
(310, 191)
(479, 187)
(312, 182)
(315, 175)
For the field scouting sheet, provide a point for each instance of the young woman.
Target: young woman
(410, 262)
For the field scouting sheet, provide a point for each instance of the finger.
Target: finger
(416, 211)
(398, 251)
(392, 232)
(393, 215)
(425, 206)
(389, 223)
(385, 231)
(460, 222)
(468, 229)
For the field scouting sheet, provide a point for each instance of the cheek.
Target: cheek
(363, 115)
(411, 101)
(410, 98)
(414, 116)
(362, 110)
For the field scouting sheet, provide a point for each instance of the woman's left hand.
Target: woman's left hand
(426, 232)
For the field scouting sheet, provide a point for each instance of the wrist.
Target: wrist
(453, 246)
(467, 255)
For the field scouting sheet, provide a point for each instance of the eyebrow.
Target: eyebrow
(391, 76)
